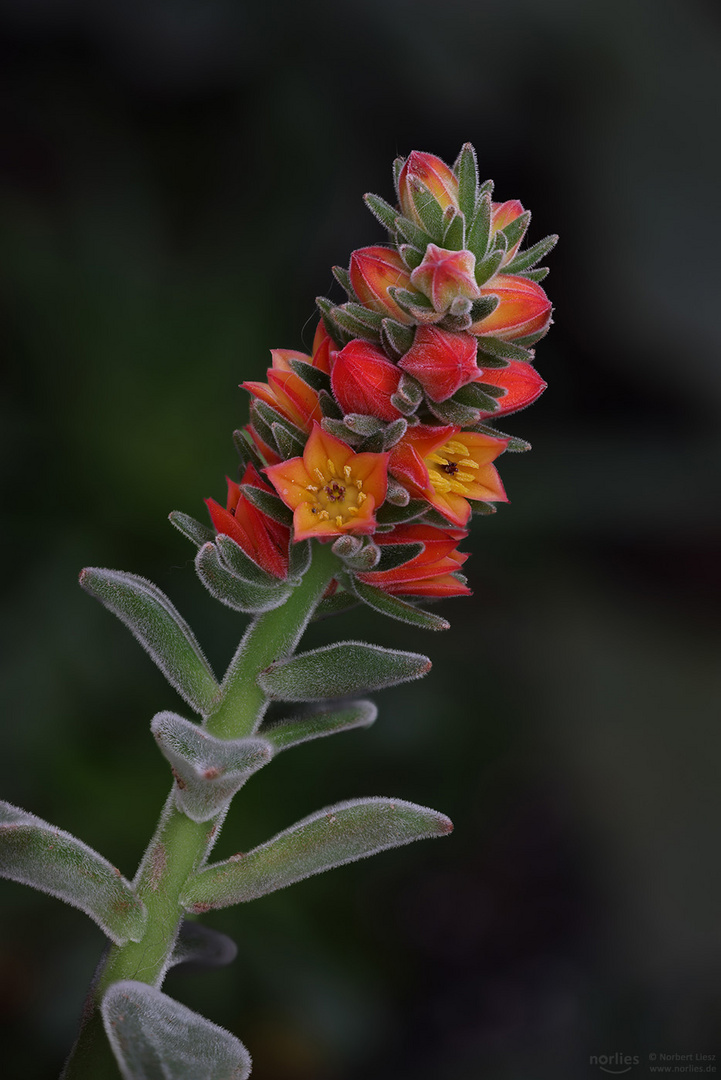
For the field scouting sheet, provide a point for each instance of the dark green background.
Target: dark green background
(177, 180)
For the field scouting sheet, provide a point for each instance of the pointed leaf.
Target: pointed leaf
(516, 229)
(475, 398)
(312, 376)
(452, 412)
(268, 503)
(302, 729)
(480, 228)
(497, 347)
(467, 181)
(396, 608)
(288, 445)
(381, 210)
(340, 429)
(329, 406)
(195, 531)
(454, 235)
(233, 591)
(199, 948)
(35, 853)
(247, 450)
(428, 209)
(340, 336)
(332, 837)
(397, 338)
(155, 623)
(538, 274)
(387, 438)
(156, 1038)
(343, 278)
(395, 555)
(524, 260)
(416, 237)
(208, 771)
(337, 670)
(362, 424)
(337, 604)
(396, 493)
(300, 557)
(240, 564)
(411, 256)
(394, 515)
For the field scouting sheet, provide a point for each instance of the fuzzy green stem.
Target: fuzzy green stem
(179, 846)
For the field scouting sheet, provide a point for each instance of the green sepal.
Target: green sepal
(452, 412)
(524, 260)
(515, 445)
(398, 164)
(338, 670)
(416, 305)
(311, 376)
(410, 232)
(396, 493)
(486, 188)
(473, 396)
(388, 514)
(411, 256)
(295, 730)
(493, 362)
(329, 406)
(362, 424)
(454, 235)
(288, 445)
(337, 604)
(240, 564)
(467, 180)
(499, 242)
(395, 608)
(487, 266)
(395, 555)
(529, 340)
(327, 309)
(381, 210)
(193, 530)
(156, 625)
(341, 431)
(504, 350)
(154, 1037)
(268, 503)
(428, 209)
(300, 559)
(208, 771)
(331, 837)
(480, 507)
(262, 426)
(233, 591)
(366, 558)
(35, 853)
(273, 417)
(516, 229)
(483, 307)
(247, 449)
(437, 520)
(396, 337)
(538, 274)
(387, 438)
(343, 278)
(479, 229)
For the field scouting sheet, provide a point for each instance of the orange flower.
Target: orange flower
(448, 466)
(262, 539)
(286, 392)
(435, 175)
(331, 489)
(523, 308)
(372, 271)
(428, 574)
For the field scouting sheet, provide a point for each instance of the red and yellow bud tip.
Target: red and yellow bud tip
(521, 382)
(363, 379)
(444, 275)
(523, 308)
(286, 392)
(502, 214)
(331, 489)
(434, 174)
(448, 466)
(262, 539)
(373, 270)
(441, 361)
(431, 573)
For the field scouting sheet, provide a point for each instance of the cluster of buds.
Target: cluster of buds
(382, 441)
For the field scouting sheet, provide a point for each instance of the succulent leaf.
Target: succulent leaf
(340, 669)
(295, 730)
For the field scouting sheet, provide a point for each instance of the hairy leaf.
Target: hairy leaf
(337, 604)
(156, 1038)
(233, 591)
(467, 180)
(200, 948)
(35, 853)
(336, 670)
(395, 608)
(155, 623)
(524, 260)
(208, 771)
(240, 564)
(301, 729)
(329, 838)
(195, 531)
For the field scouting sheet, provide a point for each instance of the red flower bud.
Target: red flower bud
(503, 214)
(262, 539)
(444, 275)
(441, 361)
(322, 346)
(428, 574)
(523, 308)
(521, 382)
(363, 379)
(437, 177)
(372, 271)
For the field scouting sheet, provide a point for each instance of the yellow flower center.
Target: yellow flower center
(447, 468)
(337, 497)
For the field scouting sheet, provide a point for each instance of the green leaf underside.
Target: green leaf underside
(233, 591)
(154, 1037)
(395, 608)
(200, 948)
(331, 837)
(337, 604)
(208, 771)
(155, 623)
(340, 669)
(195, 531)
(35, 853)
(291, 732)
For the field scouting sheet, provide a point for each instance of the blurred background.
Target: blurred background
(177, 179)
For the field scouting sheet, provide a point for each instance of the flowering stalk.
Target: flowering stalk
(360, 469)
